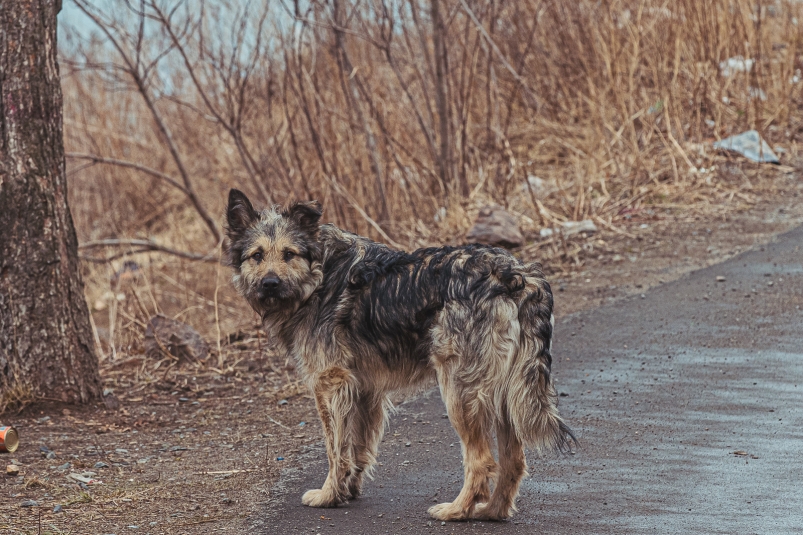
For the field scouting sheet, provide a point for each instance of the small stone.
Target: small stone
(165, 334)
(495, 226)
(183, 400)
(50, 455)
(43, 450)
(407, 444)
(720, 278)
(63, 467)
(29, 503)
(770, 283)
(100, 464)
(12, 470)
(58, 509)
(283, 402)
(43, 420)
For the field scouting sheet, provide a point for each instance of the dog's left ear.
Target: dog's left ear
(305, 214)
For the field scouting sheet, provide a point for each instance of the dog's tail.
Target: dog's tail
(531, 398)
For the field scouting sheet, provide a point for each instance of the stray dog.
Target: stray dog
(363, 320)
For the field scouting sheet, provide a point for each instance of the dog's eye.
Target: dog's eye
(288, 255)
(257, 256)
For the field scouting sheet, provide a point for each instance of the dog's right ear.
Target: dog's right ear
(240, 214)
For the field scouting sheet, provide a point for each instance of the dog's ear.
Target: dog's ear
(240, 214)
(305, 214)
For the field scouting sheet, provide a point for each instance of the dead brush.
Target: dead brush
(16, 396)
(404, 120)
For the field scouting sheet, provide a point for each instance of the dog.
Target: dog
(363, 320)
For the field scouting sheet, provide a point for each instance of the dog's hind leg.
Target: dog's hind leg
(369, 426)
(472, 425)
(512, 468)
(335, 396)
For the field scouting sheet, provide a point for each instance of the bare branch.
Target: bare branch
(123, 163)
(354, 204)
(508, 66)
(140, 82)
(142, 246)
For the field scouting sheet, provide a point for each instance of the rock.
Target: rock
(121, 451)
(570, 228)
(111, 401)
(63, 467)
(58, 509)
(169, 336)
(29, 503)
(12, 470)
(50, 455)
(750, 145)
(99, 465)
(283, 402)
(495, 226)
(720, 278)
(575, 227)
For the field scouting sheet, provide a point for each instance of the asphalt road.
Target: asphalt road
(688, 403)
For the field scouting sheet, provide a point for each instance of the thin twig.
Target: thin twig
(342, 191)
(145, 246)
(123, 163)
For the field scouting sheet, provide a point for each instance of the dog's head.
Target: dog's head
(275, 253)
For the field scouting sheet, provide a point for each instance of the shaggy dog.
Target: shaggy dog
(363, 320)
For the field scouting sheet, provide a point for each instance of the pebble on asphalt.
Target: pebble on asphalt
(720, 278)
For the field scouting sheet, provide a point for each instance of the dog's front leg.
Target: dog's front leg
(335, 393)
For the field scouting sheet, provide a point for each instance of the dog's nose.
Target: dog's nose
(269, 283)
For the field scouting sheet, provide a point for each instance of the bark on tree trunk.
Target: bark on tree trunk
(46, 343)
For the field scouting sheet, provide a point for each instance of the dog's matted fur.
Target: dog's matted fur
(363, 320)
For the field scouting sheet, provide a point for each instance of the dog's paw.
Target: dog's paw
(448, 511)
(319, 498)
(486, 511)
(355, 486)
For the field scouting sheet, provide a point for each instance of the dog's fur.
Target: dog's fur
(363, 320)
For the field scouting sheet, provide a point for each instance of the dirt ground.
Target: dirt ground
(200, 452)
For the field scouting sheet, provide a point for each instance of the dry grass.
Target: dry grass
(399, 129)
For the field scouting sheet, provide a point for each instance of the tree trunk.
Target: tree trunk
(46, 343)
